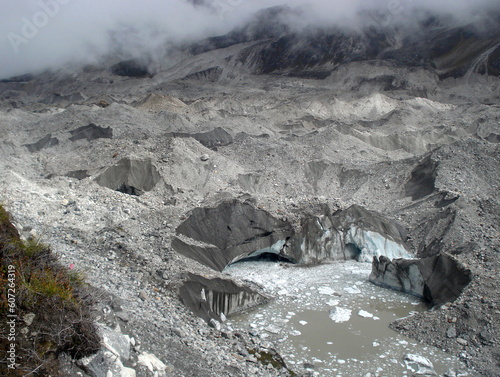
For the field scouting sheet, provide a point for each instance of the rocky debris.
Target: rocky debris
(130, 176)
(78, 174)
(214, 299)
(434, 230)
(64, 99)
(91, 132)
(212, 74)
(438, 279)
(218, 137)
(28, 318)
(386, 134)
(103, 364)
(151, 362)
(47, 142)
(451, 332)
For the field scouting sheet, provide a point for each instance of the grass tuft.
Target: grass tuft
(33, 281)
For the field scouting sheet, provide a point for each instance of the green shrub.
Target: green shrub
(58, 297)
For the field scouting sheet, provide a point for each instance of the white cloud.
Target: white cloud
(37, 34)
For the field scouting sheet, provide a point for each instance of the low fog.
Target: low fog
(41, 34)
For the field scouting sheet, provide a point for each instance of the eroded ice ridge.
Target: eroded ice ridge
(232, 231)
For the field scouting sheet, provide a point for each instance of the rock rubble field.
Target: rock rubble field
(151, 185)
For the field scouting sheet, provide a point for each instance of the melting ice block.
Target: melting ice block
(340, 315)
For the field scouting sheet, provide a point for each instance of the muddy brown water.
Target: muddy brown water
(331, 319)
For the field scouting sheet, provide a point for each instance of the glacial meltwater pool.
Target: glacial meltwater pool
(332, 321)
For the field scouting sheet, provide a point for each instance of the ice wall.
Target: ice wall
(372, 244)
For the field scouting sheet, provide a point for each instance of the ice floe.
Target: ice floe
(365, 314)
(340, 315)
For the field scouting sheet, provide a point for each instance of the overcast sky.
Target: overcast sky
(38, 34)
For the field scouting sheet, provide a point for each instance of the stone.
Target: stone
(151, 362)
(215, 324)
(204, 157)
(124, 316)
(462, 342)
(451, 332)
(179, 333)
(28, 318)
(144, 296)
(115, 342)
(223, 317)
(104, 362)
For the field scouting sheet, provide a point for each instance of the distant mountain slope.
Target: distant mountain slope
(435, 43)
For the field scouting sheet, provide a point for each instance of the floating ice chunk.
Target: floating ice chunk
(272, 329)
(340, 315)
(376, 344)
(333, 302)
(326, 290)
(282, 292)
(295, 333)
(303, 323)
(365, 314)
(419, 364)
(352, 290)
(340, 361)
(375, 318)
